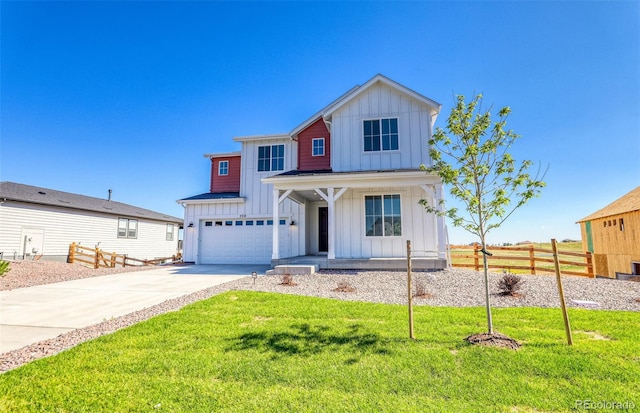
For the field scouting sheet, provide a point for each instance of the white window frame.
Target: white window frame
(170, 232)
(223, 171)
(384, 215)
(130, 227)
(380, 136)
(320, 147)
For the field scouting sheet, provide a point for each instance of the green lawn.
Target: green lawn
(250, 352)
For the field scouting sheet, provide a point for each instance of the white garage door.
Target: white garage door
(245, 241)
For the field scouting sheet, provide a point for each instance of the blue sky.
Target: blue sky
(129, 95)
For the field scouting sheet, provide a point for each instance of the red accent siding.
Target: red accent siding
(226, 183)
(306, 160)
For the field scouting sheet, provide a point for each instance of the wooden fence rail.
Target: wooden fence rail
(524, 258)
(96, 258)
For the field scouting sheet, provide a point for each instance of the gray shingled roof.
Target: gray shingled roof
(212, 195)
(44, 196)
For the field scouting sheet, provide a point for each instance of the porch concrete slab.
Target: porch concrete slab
(29, 315)
(294, 269)
(364, 264)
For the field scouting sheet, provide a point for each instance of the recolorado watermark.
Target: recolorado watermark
(603, 405)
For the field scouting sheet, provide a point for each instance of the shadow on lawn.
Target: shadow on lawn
(306, 340)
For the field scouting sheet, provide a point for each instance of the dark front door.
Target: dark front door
(323, 229)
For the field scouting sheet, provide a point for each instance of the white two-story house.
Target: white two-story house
(341, 190)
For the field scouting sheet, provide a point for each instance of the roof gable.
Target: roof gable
(356, 92)
(304, 125)
(44, 196)
(627, 203)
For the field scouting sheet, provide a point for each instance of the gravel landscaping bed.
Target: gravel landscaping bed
(455, 287)
(31, 273)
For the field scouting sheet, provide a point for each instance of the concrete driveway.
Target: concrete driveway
(29, 315)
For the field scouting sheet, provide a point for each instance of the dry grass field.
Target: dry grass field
(517, 259)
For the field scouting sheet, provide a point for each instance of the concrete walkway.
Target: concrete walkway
(30, 315)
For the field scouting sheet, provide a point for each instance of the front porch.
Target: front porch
(360, 220)
(364, 264)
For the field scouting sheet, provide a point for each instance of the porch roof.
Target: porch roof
(212, 197)
(305, 180)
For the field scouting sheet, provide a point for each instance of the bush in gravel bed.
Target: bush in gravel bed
(510, 284)
(344, 287)
(4, 268)
(287, 280)
(421, 290)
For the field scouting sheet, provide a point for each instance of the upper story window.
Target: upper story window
(127, 228)
(271, 158)
(381, 135)
(223, 168)
(383, 217)
(317, 147)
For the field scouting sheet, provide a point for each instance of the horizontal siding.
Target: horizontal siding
(414, 130)
(63, 226)
(226, 183)
(306, 160)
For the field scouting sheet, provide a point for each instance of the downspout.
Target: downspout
(328, 125)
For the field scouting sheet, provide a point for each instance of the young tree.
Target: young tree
(471, 156)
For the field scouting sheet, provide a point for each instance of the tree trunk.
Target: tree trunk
(486, 289)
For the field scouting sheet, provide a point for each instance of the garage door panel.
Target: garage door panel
(235, 244)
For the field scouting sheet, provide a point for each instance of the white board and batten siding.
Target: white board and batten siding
(62, 226)
(380, 101)
(417, 226)
(258, 195)
(228, 239)
(242, 244)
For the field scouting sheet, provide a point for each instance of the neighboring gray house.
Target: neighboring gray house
(43, 222)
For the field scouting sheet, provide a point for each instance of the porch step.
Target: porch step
(293, 270)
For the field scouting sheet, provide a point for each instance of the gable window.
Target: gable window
(169, 236)
(380, 135)
(223, 168)
(317, 147)
(270, 158)
(127, 228)
(383, 216)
